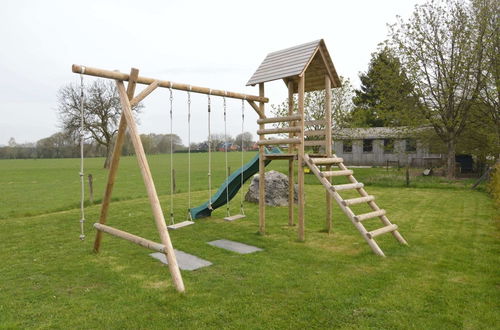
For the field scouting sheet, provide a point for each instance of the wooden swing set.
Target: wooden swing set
(303, 68)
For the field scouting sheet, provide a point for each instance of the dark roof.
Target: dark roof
(311, 58)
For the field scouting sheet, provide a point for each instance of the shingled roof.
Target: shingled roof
(311, 58)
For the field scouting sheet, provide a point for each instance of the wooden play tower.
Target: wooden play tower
(304, 68)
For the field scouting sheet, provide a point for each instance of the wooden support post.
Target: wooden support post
(113, 168)
(151, 190)
(291, 162)
(262, 171)
(300, 174)
(328, 147)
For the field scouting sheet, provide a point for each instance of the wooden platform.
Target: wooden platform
(280, 156)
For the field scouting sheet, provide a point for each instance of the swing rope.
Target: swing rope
(241, 167)
(225, 157)
(82, 179)
(209, 157)
(189, 216)
(172, 221)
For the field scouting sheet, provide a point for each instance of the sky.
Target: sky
(214, 44)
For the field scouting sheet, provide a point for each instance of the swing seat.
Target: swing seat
(180, 224)
(235, 217)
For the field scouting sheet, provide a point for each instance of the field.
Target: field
(446, 278)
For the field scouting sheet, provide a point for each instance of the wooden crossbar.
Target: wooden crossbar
(164, 83)
(130, 237)
(292, 129)
(278, 141)
(279, 119)
(315, 133)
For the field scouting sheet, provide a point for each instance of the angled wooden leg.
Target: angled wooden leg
(151, 190)
(115, 160)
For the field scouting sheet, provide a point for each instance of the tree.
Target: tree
(246, 138)
(439, 51)
(385, 97)
(314, 106)
(486, 118)
(102, 111)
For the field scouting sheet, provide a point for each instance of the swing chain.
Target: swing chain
(189, 216)
(225, 155)
(209, 157)
(242, 145)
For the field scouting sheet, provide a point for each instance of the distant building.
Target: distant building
(384, 146)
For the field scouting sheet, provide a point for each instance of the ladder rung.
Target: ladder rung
(292, 129)
(347, 186)
(325, 161)
(279, 119)
(387, 229)
(278, 141)
(336, 173)
(311, 143)
(314, 133)
(315, 122)
(358, 200)
(369, 215)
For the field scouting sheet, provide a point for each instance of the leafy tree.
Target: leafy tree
(246, 138)
(385, 97)
(102, 111)
(439, 49)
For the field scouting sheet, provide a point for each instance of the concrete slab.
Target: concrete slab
(235, 246)
(185, 260)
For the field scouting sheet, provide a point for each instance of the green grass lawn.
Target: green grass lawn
(447, 278)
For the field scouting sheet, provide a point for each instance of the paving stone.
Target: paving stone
(235, 246)
(185, 260)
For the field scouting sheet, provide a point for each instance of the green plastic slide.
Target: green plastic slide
(232, 184)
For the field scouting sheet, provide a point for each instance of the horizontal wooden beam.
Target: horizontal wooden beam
(279, 119)
(290, 129)
(130, 237)
(164, 83)
(278, 141)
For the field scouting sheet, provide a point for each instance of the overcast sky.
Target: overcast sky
(216, 44)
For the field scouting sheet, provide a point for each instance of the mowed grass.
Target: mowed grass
(447, 278)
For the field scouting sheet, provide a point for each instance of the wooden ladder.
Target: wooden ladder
(344, 204)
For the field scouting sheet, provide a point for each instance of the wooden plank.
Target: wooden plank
(130, 237)
(164, 83)
(278, 119)
(278, 141)
(181, 224)
(235, 217)
(369, 215)
(281, 156)
(300, 172)
(383, 230)
(278, 130)
(145, 92)
(150, 188)
(359, 200)
(262, 171)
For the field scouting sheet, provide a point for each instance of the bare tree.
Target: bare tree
(245, 138)
(440, 49)
(102, 110)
